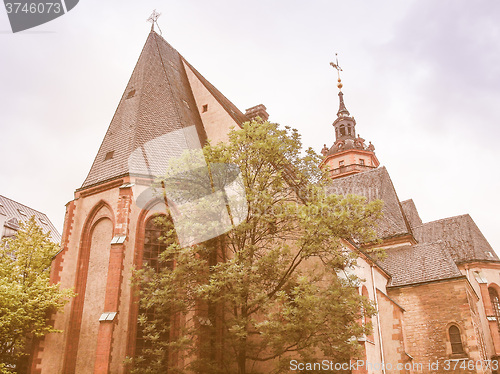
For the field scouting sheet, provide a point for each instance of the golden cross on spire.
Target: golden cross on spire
(153, 18)
(339, 69)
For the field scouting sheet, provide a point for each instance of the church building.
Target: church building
(436, 292)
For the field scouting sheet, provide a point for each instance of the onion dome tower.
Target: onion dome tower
(349, 154)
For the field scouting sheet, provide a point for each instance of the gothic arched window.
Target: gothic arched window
(455, 340)
(495, 303)
(154, 244)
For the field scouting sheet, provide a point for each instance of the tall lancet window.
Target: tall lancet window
(455, 340)
(495, 303)
(155, 242)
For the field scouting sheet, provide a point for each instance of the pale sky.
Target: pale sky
(422, 79)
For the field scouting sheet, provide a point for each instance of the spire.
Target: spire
(343, 112)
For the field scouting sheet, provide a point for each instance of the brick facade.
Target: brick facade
(425, 286)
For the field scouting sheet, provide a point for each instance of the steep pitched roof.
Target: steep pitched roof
(376, 184)
(419, 263)
(156, 119)
(12, 212)
(459, 236)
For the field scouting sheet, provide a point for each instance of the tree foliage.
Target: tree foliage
(26, 296)
(274, 286)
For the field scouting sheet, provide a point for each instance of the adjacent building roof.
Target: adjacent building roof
(12, 212)
(458, 235)
(376, 184)
(419, 263)
(157, 117)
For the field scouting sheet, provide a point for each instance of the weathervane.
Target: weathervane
(339, 69)
(153, 18)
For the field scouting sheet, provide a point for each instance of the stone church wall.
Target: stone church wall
(427, 322)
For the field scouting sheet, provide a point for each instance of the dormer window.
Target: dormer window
(109, 155)
(130, 94)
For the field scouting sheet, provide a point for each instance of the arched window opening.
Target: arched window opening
(342, 130)
(455, 340)
(154, 245)
(495, 303)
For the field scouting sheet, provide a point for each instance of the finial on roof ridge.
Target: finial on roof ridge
(153, 18)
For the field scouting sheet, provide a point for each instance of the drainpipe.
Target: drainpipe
(378, 321)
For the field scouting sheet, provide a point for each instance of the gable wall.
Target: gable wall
(216, 120)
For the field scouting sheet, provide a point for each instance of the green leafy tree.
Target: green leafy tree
(26, 296)
(275, 286)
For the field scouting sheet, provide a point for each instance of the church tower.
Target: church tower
(167, 107)
(349, 154)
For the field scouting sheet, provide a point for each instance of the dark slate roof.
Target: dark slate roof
(459, 236)
(12, 211)
(156, 119)
(411, 213)
(376, 184)
(419, 263)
